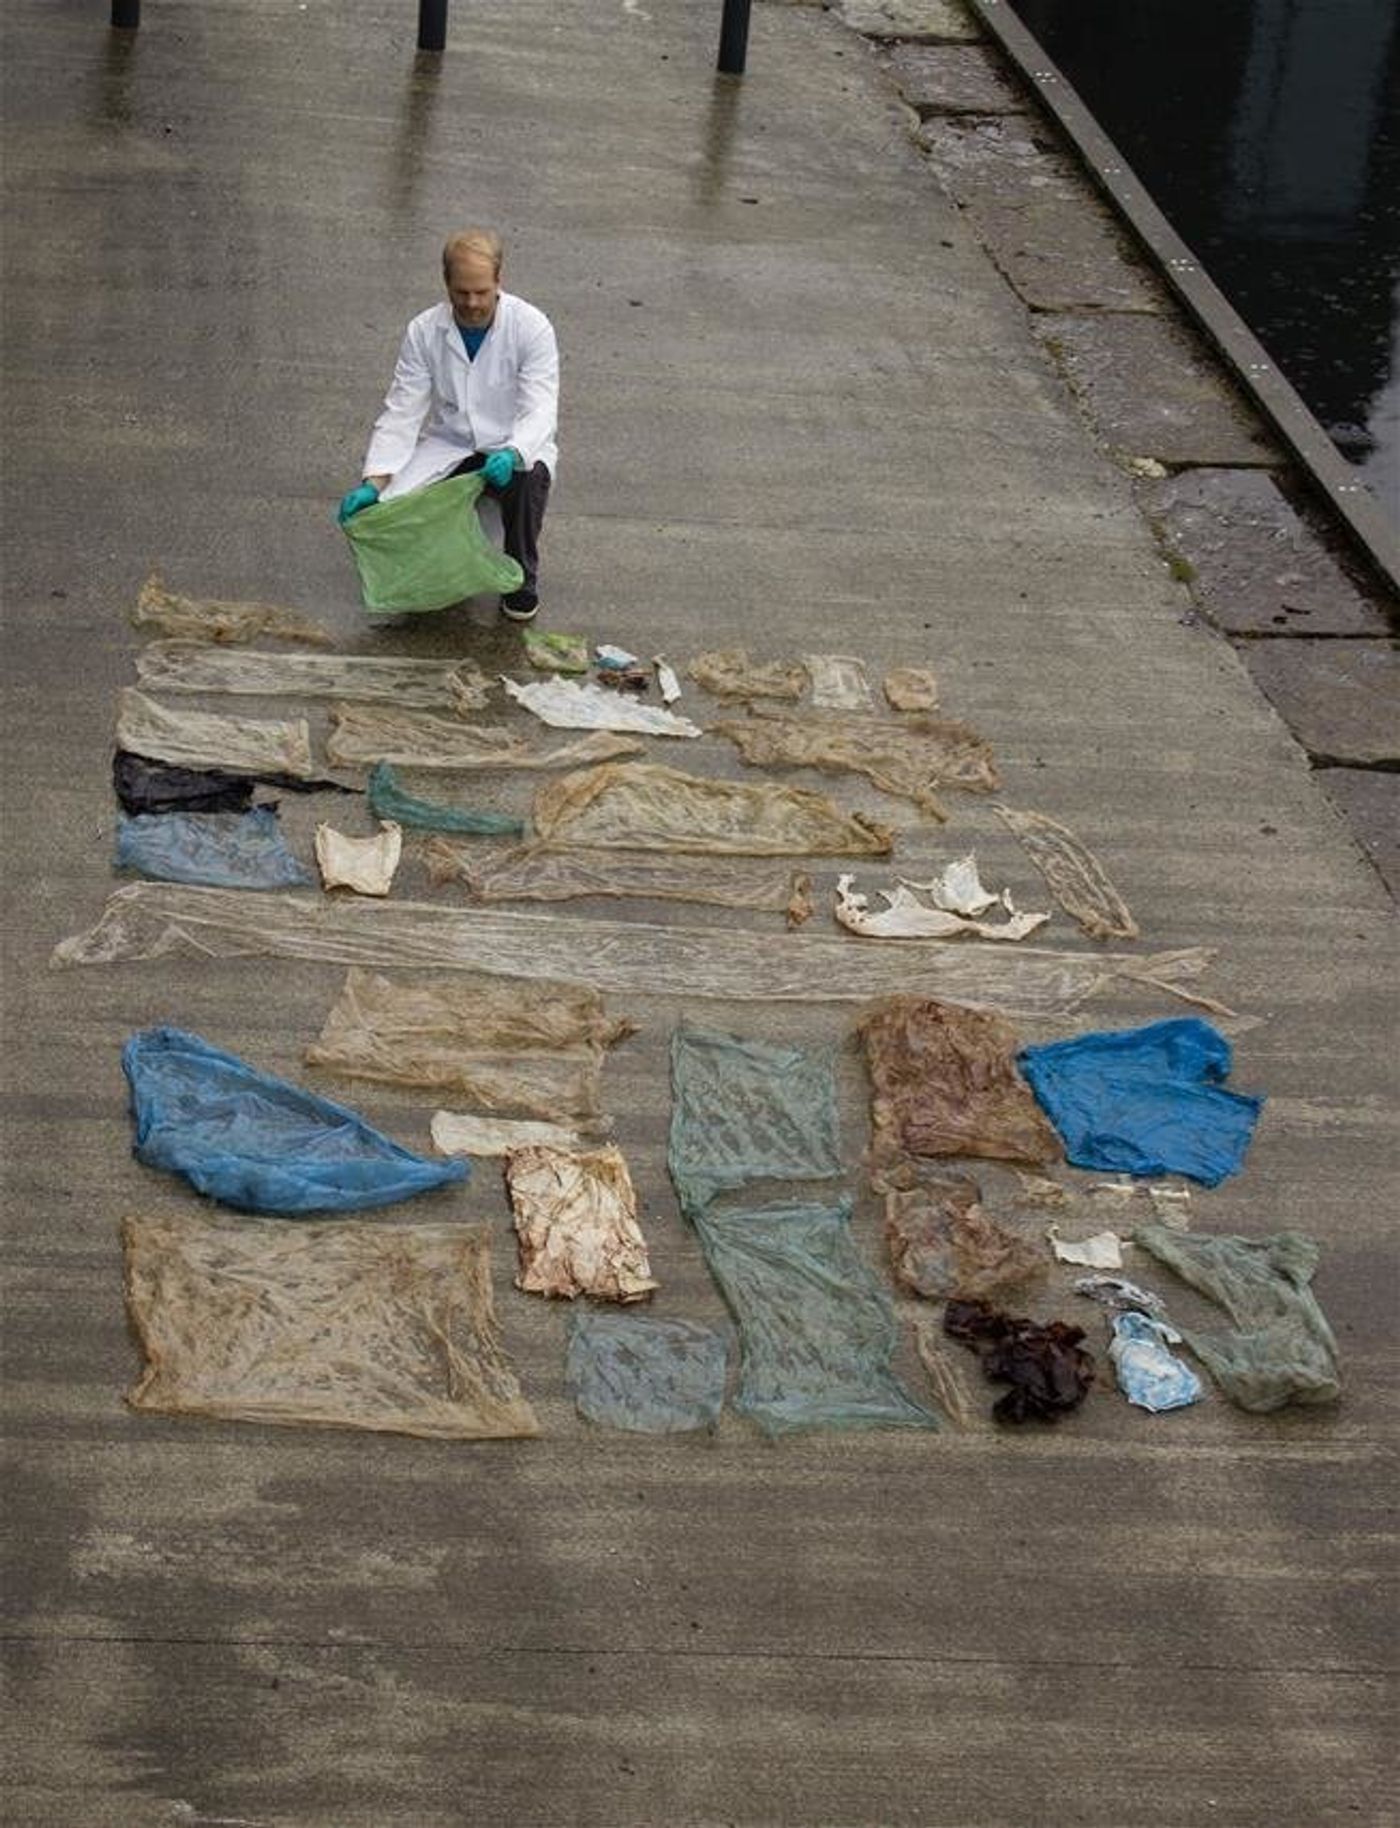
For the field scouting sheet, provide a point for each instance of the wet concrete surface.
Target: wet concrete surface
(814, 429)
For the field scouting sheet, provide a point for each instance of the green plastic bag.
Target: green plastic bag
(426, 549)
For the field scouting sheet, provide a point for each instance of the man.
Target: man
(476, 388)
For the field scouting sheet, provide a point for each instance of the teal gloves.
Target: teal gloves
(498, 468)
(363, 496)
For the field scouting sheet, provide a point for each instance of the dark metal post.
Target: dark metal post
(733, 37)
(126, 14)
(432, 25)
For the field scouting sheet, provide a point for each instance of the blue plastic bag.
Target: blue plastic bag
(229, 850)
(1145, 1100)
(258, 1143)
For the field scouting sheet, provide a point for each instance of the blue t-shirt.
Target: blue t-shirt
(473, 339)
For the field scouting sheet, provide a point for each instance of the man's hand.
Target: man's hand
(363, 495)
(499, 467)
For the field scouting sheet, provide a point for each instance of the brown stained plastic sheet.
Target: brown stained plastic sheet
(909, 759)
(1073, 874)
(652, 808)
(911, 688)
(944, 1082)
(349, 1323)
(1049, 1370)
(206, 619)
(198, 739)
(149, 920)
(362, 736)
(838, 682)
(507, 1046)
(546, 874)
(729, 673)
(576, 1216)
(192, 666)
(943, 1244)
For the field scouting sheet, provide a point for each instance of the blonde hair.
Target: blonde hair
(484, 242)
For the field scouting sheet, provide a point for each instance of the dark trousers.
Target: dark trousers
(523, 502)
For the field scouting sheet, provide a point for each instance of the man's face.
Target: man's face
(473, 289)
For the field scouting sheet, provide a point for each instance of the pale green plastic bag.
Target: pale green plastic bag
(426, 550)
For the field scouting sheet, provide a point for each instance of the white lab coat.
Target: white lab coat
(441, 407)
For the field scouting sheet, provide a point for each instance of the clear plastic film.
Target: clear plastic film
(1073, 874)
(199, 739)
(208, 619)
(363, 735)
(192, 666)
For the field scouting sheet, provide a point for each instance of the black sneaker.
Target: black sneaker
(520, 606)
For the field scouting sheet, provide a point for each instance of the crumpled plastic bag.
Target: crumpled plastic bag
(198, 739)
(729, 673)
(944, 1082)
(366, 865)
(234, 850)
(1103, 1251)
(426, 549)
(911, 688)
(643, 806)
(464, 1133)
(1146, 1100)
(258, 1143)
(387, 800)
(576, 1218)
(645, 1374)
(143, 786)
(357, 1325)
(572, 704)
(362, 735)
(816, 1330)
(1148, 1374)
(1073, 874)
(191, 666)
(1282, 1350)
(943, 1244)
(206, 619)
(1048, 1368)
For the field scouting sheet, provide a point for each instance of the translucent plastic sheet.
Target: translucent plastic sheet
(943, 1244)
(1148, 1374)
(1146, 1100)
(234, 850)
(143, 786)
(206, 619)
(909, 759)
(366, 865)
(148, 920)
(644, 1374)
(1047, 1367)
(1282, 1351)
(258, 1143)
(905, 916)
(944, 1082)
(358, 1325)
(190, 666)
(838, 682)
(547, 874)
(461, 1133)
(529, 1048)
(576, 1218)
(816, 1330)
(651, 808)
(387, 800)
(746, 1111)
(426, 549)
(572, 704)
(197, 739)
(362, 736)
(729, 673)
(1073, 874)
(911, 688)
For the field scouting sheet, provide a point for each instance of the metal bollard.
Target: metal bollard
(733, 37)
(432, 25)
(126, 15)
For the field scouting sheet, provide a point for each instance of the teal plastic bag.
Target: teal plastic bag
(426, 549)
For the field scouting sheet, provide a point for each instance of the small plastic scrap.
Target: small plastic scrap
(944, 1082)
(191, 666)
(816, 1330)
(904, 916)
(143, 786)
(550, 650)
(942, 1243)
(205, 619)
(1118, 1293)
(416, 739)
(1282, 1351)
(950, 1392)
(258, 1143)
(1148, 1374)
(959, 889)
(643, 806)
(198, 739)
(1103, 1251)
(232, 850)
(1037, 1190)
(358, 1325)
(645, 1374)
(838, 682)
(460, 1133)
(1146, 1100)
(387, 800)
(614, 659)
(1048, 1368)
(729, 673)
(576, 1217)
(571, 704)
(911, 688)
(1073, 874)
(666, 682)
(366, 865)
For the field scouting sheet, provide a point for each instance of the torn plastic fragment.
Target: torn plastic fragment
(612, 659)
(358, 1325)
(572, 704)
(258, 1143)
(729, 673)
(645, 1374)
(1118, 1293)
(416, 739)
(234, 850)
(666, 682)
(1103, 1251)
(1037, 1190)
(950, 1392)
(387, 800)
(1148, 1374)
(576, 1218)
(463, 1133)
(550, 650)
(904, 916)
(1048, 1368)
(1073, 874)
(366, 865)
(143, 786)
(206, 619)
(911, 688)
(190, 666)
(838, 682)
(198, 739)
(943, 1244)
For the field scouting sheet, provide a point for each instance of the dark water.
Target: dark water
(1268, 132)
